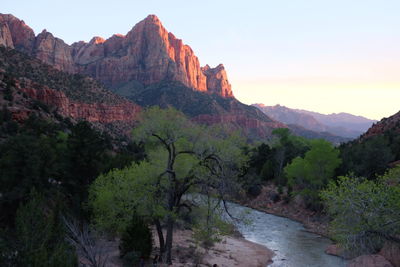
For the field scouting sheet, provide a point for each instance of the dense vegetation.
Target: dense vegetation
(67, 176)
(182, 158)
(352, 183)
(365, 212)
(57, 162)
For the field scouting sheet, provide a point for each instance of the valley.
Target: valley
(103, 143)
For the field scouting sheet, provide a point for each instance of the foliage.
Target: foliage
(361, 158)
(365, 213)
(268, 160)
(310, 174)
(52, 158)
(207, 222)
(39, 236)
(181, 156)
(137, 237)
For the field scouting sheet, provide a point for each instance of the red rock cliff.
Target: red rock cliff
(147, 54)
(94, 112)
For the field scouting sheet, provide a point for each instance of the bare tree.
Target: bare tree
(90, 249)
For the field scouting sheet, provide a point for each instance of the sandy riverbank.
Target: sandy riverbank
(231, 251)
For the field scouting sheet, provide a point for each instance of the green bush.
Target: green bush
(40, 237)
(137, 238)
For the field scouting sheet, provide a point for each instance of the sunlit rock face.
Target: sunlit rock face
(217, 80)
(53, 51)
(92, 112)
(15, 33)
(147, 54)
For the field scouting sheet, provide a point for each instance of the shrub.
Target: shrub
(137, 238)
(40, 237)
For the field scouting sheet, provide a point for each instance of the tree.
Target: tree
(40, 237)
(365, 213)
(285, 149)
(360, 157)
(85, 159)
(181, 157)
(310, 174)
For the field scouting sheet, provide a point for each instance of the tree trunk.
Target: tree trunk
(168, 243)
(160, 237)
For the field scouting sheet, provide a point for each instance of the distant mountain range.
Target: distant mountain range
(338, 124)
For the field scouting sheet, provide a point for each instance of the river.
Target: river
(292, 244)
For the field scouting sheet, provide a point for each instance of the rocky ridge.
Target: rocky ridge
(147, 54)
(341, 124)
(391, 123)
(25, 81)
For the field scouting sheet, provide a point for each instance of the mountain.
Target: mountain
(147, 54)
(341, 124)
(352, 125)
(149, 66)
(28, 86)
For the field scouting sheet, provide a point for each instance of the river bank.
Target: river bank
(270, 201)
(230, 251)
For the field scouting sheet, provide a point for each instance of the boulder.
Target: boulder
(374, 260)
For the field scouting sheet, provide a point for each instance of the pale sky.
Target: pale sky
(320, 55)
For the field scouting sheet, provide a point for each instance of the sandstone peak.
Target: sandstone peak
(118, 35)
(147, 54)
(152, 19)
(97, 40)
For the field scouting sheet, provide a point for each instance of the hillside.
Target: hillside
(341, 124)
(28, 86)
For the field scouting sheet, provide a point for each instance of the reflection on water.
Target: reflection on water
(293, 246)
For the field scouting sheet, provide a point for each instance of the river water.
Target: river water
(292, 244)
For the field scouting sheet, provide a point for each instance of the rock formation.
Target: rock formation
(217, 80)
(53, 51)
(92, 112)
(147, 54)
(374, 260)
(391, 123)
(28, 79)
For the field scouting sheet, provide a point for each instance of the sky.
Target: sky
(320, 55)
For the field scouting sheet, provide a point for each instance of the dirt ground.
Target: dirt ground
(231, 251)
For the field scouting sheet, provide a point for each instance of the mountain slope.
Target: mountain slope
(375, 151)
(342, 124)
(24, 81)
(390, 125)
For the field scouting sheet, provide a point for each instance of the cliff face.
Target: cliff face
(147, 54)
(53, 51)
(93, 112)
(217, 80)
(15, 33)
(26, 80)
